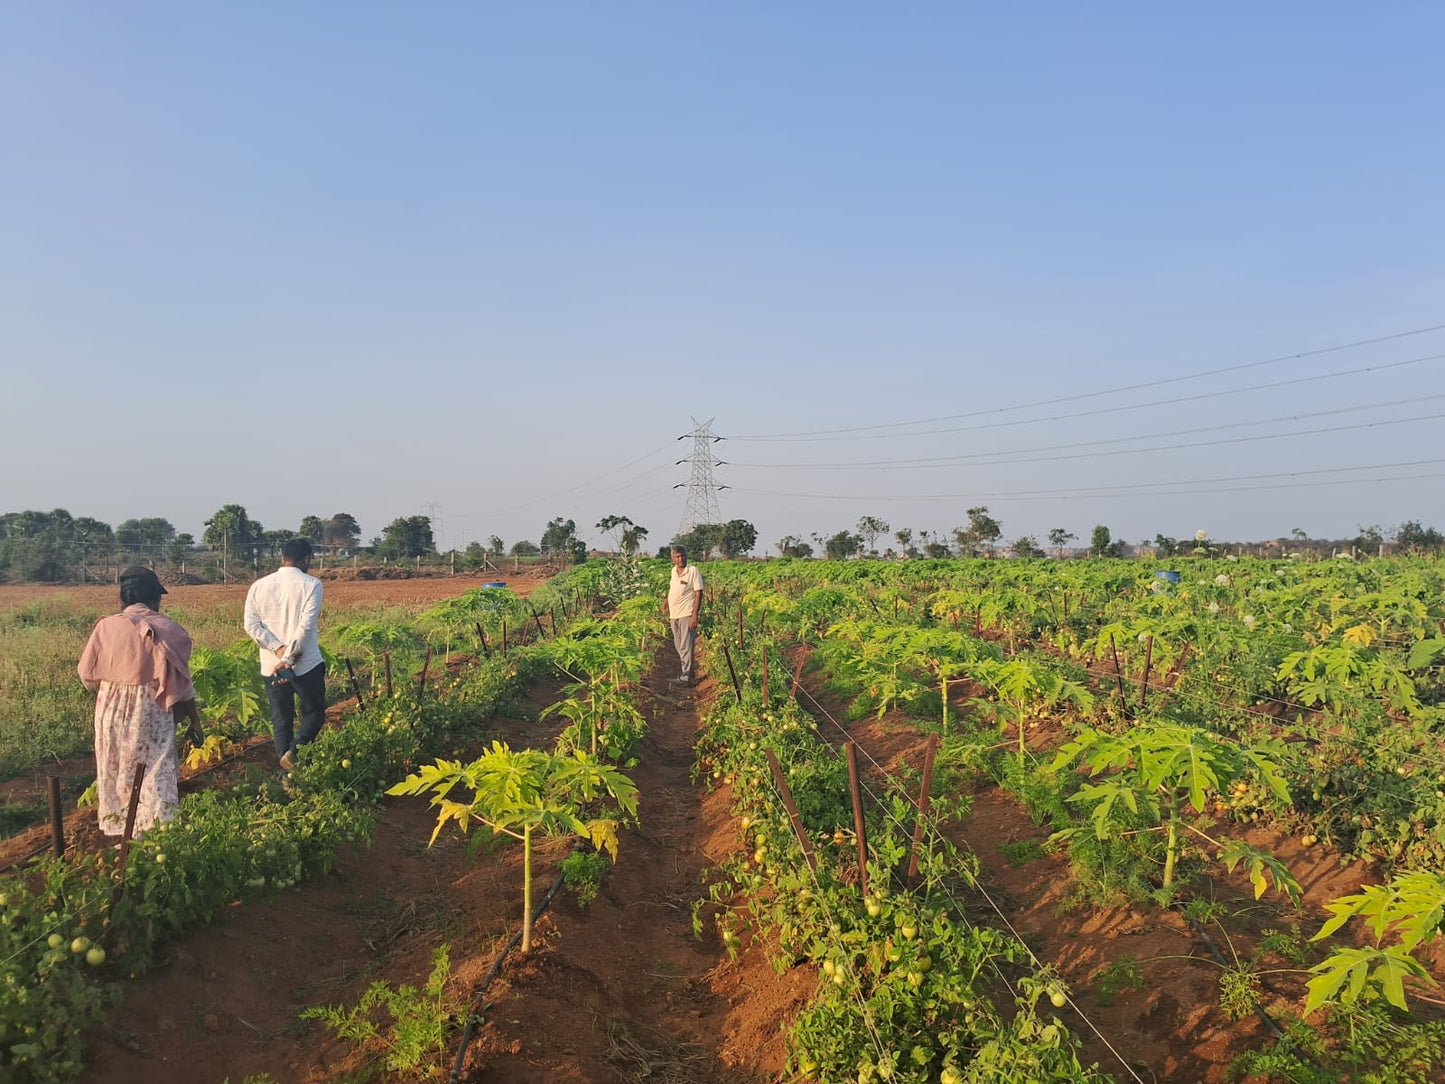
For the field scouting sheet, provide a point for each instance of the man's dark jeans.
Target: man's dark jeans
(310, 687)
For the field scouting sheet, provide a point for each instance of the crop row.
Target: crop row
(240, 844)
(1133, 775)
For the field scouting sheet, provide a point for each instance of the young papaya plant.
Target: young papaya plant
(1155, 770)
(519, 793)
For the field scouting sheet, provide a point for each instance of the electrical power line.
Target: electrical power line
(924, 461)
(1102, 392)
(1142, 489)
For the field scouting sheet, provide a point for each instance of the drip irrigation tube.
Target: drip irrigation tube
(473, 1017)
(1219, 956)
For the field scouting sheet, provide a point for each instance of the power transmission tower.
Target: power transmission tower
(702, 506)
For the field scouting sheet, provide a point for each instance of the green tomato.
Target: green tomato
(874, 907)
(95, 957)
(950, 1075)
(910, 931)
(79, 945)
(1057, 998)
(55, 940)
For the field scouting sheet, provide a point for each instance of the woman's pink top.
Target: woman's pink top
(140, 647)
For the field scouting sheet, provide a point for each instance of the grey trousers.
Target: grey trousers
(684, 638)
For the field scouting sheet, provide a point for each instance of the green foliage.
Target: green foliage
(1409, 909)
(1154, 770)
(407, 536)
(415, 1036)
(582, 871)
(520, 792)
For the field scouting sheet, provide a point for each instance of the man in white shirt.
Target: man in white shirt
(684, 603)
(282, 611)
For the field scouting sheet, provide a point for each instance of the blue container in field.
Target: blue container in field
(1172, 577)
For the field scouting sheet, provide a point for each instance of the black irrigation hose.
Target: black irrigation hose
(473, 1017)
(1219, 956)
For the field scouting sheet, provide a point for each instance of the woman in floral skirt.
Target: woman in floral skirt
(138, 664)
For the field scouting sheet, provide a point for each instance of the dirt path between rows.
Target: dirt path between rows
(620, 991)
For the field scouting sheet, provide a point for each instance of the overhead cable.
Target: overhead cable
(1102, 392)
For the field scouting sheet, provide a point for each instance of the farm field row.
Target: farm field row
(1289, 715)
(45, 713)
(1022, 674)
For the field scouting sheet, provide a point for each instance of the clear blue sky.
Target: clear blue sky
(360, 257)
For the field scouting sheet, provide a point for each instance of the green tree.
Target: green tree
(738, 538)
(870, 527)
(233, 534)
(407, 536)
(1026, 545)
(495, 546)
(1412, 537)
(1100, 540)
(313, 529)
(148, 535)
(904, 535)
(341, 532)
(180, 548)
(842, 545)
(1166, 546)
(559, 539)
(702, 540)
(790, 545)
(524, 548)
(36, 545)
(1059, 538)
(980, 534)
(614, 526)
(632, 539)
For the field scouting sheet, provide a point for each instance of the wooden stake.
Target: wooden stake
(766, 699)
(541, 635)
(924, 795)
(737, 685)
(1144, 681)
(798, 672)
(482, 636)
(1119, 676)
(387, 657)
(425, 666)
(793, 815)
(355, 688)
(57, 822)
(504, 636)
(855, 789)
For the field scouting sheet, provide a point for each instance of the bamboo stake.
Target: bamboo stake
(1144, 681)
(355, 688)
(482, 636)
(1119, 676)
(425, 666)
(924, 795)
(856, 792)
(57, 822)
(737, 685)
(387, 657)
(793, 815)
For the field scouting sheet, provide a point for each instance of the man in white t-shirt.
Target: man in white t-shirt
(282, 611)
(684, 603)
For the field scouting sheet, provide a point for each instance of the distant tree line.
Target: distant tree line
(56, 546)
